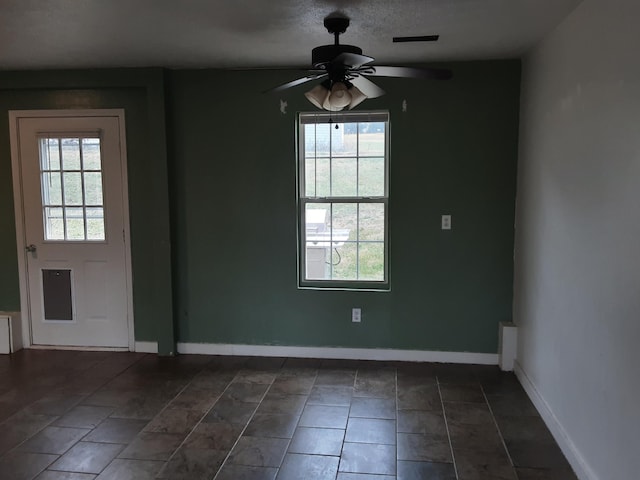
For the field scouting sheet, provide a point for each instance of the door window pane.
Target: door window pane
(70, 153)
(71, 178)
(93, 188)
(91, 154)
(72, 188)
(50, 154)
(95, 224)
(52, 188)
(53, 223)
(75, 223)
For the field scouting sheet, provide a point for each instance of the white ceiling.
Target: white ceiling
(262, 33)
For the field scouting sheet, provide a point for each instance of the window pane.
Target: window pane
(341, 255)
(51, 188)
(344, 180)
(72, 188)
(317, 241)
(95, 224)
(70, 154)
(371, 261)
(323, 177)
(91, 154)
(371, 222)
(371, 177)
(49, 154)
(316, 139)
(317, 219)
(309, 140)
(317, 177)
(75, 223)
(371, 139)
(342, 260)
(344, 139)
(53, 224)
(344, 220)
(309, 177)
(93, 188)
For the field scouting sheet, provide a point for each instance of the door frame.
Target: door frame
(16, 169)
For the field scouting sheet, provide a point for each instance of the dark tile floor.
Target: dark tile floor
(127, 416)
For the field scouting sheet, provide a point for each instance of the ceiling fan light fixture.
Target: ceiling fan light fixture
(318, 95)
(357, 97)
(344, 66)
(338, 98)
(340, 95)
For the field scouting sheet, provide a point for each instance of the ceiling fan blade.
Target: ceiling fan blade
(295, 83)
(423, 38)
(366, 86)
(352, 60)
(408, 72)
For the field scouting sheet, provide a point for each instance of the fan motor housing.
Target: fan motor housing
(326, 53)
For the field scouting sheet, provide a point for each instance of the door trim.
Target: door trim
(16, 168)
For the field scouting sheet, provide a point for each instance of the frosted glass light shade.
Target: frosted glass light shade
(338, 98)
(334, 100)
(318, 95)
(357, 97)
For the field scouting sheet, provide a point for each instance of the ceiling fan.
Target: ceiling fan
(343, 70)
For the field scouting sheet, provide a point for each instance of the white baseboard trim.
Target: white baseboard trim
(146, 347)
(78, 349)
(338, 353)
(575, 458)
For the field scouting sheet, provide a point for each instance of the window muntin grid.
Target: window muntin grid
(344, 200)
(71, 181)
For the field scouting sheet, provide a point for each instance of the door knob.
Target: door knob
(31, 248)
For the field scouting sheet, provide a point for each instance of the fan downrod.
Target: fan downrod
(323, 55)
(336, 25)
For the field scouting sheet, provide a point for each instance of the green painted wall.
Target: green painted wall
(233, 173)
(227, 272)
(141, 93)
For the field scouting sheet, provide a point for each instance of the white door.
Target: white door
(74, 212)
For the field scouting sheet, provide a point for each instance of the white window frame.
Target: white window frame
(304, 200)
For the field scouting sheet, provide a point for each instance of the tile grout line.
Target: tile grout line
(348, 416)
(243, 428)
(495, 423)
(166, 462)
(297, 423)
(248, 422)
(396, 409)
(446, 424)
(344, 439)
(79, 403)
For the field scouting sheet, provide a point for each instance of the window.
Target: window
(343, 200)
(71, 180)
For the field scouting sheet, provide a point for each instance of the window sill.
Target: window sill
(345, 286)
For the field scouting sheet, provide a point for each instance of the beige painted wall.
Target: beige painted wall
(577, 263)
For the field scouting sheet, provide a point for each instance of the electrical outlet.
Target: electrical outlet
(356, 315)
(446, 222)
